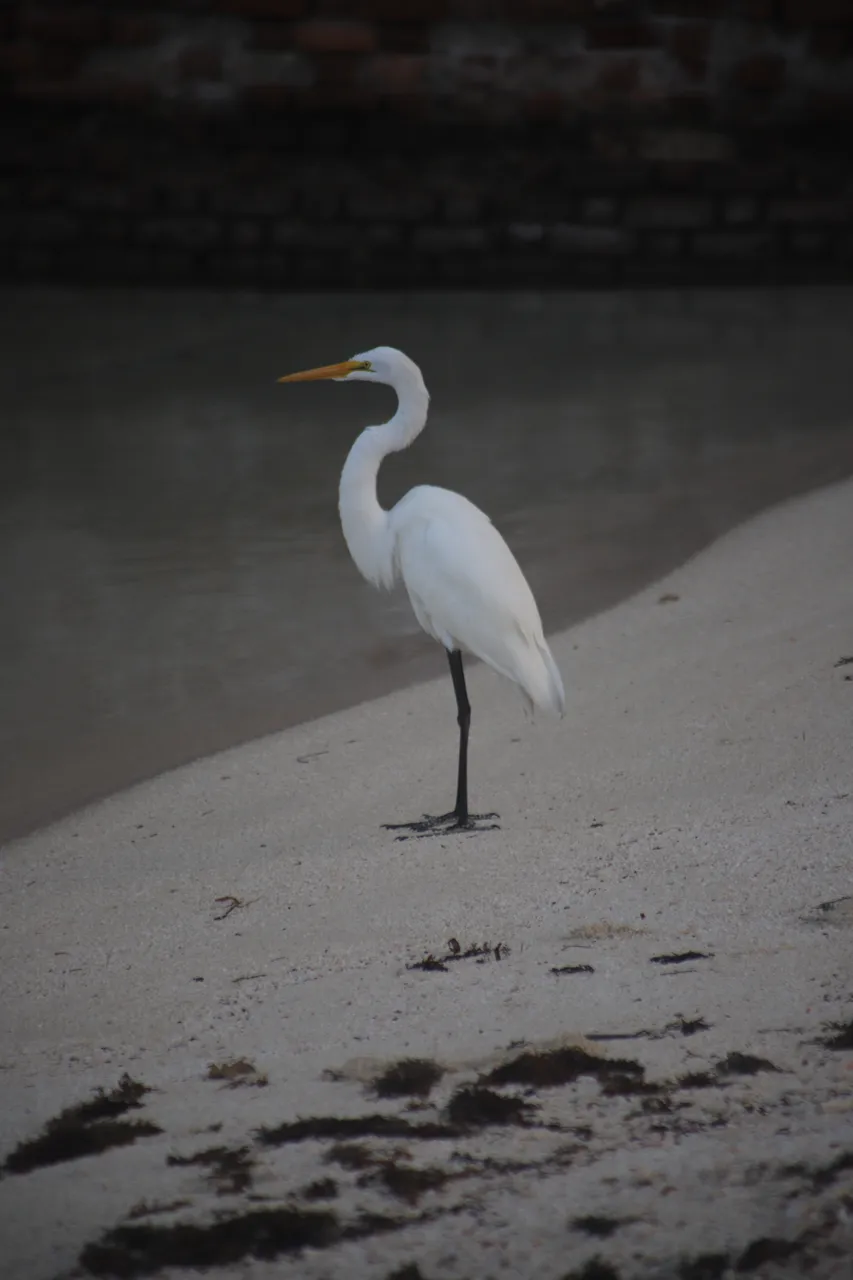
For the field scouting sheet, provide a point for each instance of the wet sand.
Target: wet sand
(173, 575)
(632, 1000)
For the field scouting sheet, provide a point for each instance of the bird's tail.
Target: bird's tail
(533, 668)
(546, 689)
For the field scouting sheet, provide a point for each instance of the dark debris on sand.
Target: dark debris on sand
(595, 1269)
(705, 1266)
(734, 1064)
(229, 1169)
(618, 1077)
(743, 1064)
(350, 1155)
(408, 1078)
(687, 1026)
(499, 1097)
(680, 1026)
(393, 1173)
(343, 1127)
(822, 1177)
(405, 1181)
(430, 964)
(599, 1226)
(697, 1080)
(829, 1174)
(766, 1249)
(320, 1189)
(236, 1072)
(146, 1209)
(476, 1108)
(86, 1129)
(480, 953)
(682, 957)
(263, 1233)
(841, 1036)
(545, 1069)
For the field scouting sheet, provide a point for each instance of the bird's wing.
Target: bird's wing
(468, 591)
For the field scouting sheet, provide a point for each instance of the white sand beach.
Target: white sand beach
(697, 798)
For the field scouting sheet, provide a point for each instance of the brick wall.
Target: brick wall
(302, 143)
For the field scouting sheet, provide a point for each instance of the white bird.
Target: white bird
(464, 583)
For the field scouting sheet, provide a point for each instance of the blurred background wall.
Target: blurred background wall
(393, 143)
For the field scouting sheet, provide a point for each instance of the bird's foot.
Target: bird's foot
(443, 824)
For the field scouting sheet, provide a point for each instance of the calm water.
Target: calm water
(172, 574)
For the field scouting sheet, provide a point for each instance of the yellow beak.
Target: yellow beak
(326, 371)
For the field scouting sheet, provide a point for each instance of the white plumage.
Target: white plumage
(464, 583)
(468, 592)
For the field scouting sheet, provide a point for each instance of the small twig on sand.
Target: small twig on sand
(233, 904)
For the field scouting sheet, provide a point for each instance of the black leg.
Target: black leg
(460, 819)
(463, 719)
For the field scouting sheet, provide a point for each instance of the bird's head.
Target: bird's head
(381, 364)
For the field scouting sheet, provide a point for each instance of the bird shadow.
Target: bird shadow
(445, 824)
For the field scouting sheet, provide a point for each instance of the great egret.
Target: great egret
(463, 581)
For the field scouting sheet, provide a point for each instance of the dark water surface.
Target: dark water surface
(172, 575)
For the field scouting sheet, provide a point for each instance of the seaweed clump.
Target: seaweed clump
(86, 1129)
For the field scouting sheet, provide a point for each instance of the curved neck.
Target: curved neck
(364, 522)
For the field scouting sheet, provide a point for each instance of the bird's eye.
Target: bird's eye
(366, 366)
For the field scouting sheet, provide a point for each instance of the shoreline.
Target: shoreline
(418, 662)
(695, 802)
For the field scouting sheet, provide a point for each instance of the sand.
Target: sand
(697, 798)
